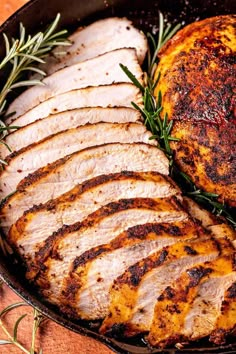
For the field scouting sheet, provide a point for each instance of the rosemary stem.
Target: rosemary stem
(34, 330)
(16, 343)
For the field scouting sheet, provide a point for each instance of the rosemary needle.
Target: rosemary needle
(24, 53)
(13, 338)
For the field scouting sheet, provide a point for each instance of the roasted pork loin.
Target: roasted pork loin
(97, 229)
(111, 34)
(38, 223)
(197, 82)
(101, 229)
(29, 159)
(103, 70)
(58, 178)
(134, 293)
(195, 300)
(42, 128)
(115, 95)
(94, 272)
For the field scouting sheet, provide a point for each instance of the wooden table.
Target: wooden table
(53, 338)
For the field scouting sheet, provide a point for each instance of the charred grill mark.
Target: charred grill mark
(169, 293)
(141, 231)
(231, 292)
(88, 256)
(190, 250)
(173, 309)
(137, 271)
(196, 274)
(39, 174)
(128, 238)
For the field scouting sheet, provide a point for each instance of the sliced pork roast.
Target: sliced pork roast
(99, 37)
(86, 289)
(102, 230)
(194, 300)
(134, 294)
(225, 323)
(42, 128)
(216, 224)
(102, 70)
(35, 156)
(105, 224)
(33, 228)
(57, 178)
(115, 95)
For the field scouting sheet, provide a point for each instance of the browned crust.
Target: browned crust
(213, 23)
(204, 153)
(179, 230)
(52, 167)
(94, 182)
(227, 320)
(16, 230)
(177, 299)
(136, 272)
(139, 233)
(50, 245)
(129, 282)
(198, 87)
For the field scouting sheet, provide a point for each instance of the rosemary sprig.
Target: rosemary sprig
(156, 120)
(13, 338)
(205, 198)
(151, 112)
(24, 53)
(22, 56)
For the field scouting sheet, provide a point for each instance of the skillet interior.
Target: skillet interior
(35, 15)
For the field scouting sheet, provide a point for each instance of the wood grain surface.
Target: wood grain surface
(53, 338)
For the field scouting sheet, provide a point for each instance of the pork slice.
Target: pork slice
(99, 37)
(99, 228)
(29, 232)
(189, 297)
(133, 295)
(102, 70)
(42, 128)
(201, 320)
(217, 225)
(86, 289)
(59, 177)
(226, 323)
(27, 160)
(115, 95)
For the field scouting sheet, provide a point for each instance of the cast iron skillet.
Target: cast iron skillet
(144, 13)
